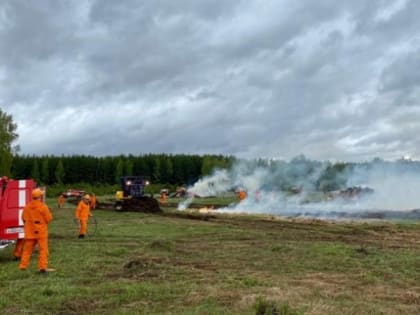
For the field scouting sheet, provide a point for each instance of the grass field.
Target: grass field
(198, 263)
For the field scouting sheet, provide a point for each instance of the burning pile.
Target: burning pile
(315, 189)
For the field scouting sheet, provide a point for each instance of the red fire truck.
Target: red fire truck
(14, 195)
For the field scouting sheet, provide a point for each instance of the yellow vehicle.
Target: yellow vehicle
(132, 196)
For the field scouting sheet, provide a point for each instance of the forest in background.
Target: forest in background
(172, 170)
(166, 170)
(82, 170)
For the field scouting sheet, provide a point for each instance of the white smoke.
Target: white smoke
(293, 188)
(396, 186)
(213, 185)
(184, 205)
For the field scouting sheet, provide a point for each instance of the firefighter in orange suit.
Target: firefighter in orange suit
(18, 248)
(61, 201)
(162, 198)
(36, 216)
(93, 202)
(242, 195)
(82, 214)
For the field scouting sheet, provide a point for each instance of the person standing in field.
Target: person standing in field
(61, 201)
(36, 216)
(93, 202)
(163, 197)
(82, 214)
(242, 194)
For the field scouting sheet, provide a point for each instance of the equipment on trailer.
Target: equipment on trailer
(77, 193)
(132, 196)
(14, 195)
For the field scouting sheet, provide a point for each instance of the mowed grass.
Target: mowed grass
(209, 263)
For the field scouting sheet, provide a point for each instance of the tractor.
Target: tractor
(132, 196)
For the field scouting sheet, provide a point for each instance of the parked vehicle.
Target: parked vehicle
(76, 193)
(132, 196)
(14, 195)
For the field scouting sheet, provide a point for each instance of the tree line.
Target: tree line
(52, 170)
(8, 135)
(184, 170)
(180, 169)
(168, 169)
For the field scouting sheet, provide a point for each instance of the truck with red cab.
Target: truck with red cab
(14, 195)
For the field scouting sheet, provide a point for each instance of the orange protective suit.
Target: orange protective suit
(93, 202)
(61, 201)
(18, 248)
(82, 214)
(36, 217)
(242, 195)
(163, 198)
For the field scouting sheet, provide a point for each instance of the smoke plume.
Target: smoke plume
(303, 187)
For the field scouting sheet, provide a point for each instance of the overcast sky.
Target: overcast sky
(333, 80)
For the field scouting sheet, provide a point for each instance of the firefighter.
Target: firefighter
(82, 214)
(61, 201)
(242, 194)
(163, 197)
(18, 248)
(93, 202)
(36, 216)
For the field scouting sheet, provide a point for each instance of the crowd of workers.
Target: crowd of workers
(36, 217)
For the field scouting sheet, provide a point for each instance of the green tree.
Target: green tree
(128, 167)
(207, 166)
(7, 136)
(59, 172)
(119, 171)
(156, 170)
(45, 171)
(140, 166)
(166, 170)
(109, 167)
(35, 174)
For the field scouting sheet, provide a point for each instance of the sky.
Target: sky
(332, 80)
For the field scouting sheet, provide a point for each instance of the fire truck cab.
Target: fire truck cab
(14, 195)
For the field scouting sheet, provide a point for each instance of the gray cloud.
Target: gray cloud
(332, 80)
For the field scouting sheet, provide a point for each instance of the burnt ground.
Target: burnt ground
(178, 261)
(142, 204)
(355, 232)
